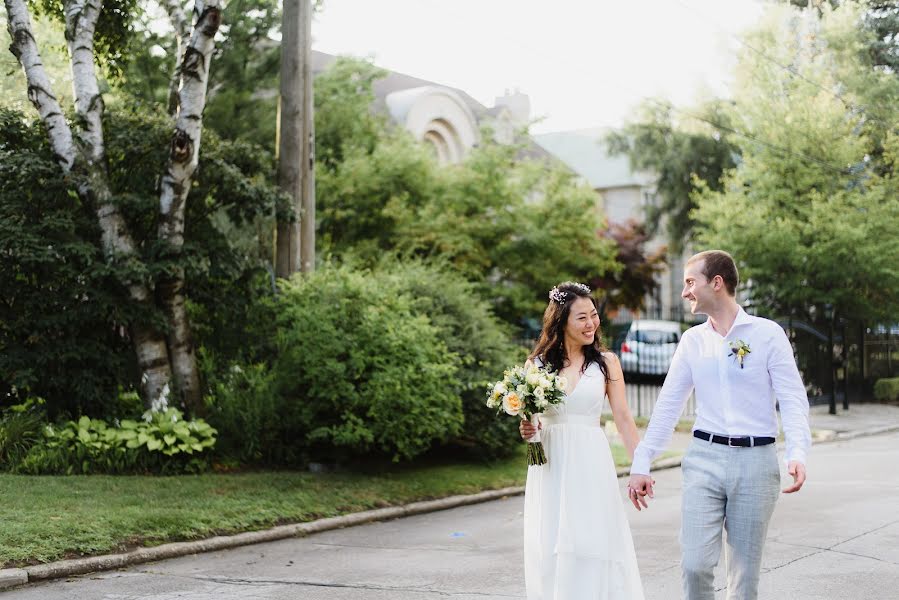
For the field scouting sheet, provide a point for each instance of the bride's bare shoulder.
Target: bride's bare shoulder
(612, 359)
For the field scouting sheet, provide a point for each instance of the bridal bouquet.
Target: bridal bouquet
(524, 391)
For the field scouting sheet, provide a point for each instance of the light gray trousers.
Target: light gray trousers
(733, 489)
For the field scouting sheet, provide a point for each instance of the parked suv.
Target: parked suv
(649, 347)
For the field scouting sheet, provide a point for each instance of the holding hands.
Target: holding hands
(638, 488)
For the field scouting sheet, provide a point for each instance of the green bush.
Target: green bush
(360, 370)
(243, 407)
(887, 390)
(20, 429)
(469, 329)
(255, 409)
(63, 315)
(163, 442)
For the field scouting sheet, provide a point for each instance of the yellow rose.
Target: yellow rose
(512, 404)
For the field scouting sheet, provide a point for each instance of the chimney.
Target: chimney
(518, 104)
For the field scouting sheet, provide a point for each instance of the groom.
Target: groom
(738, 364)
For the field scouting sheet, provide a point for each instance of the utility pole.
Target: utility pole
(295, 249)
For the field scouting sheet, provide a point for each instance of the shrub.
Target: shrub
(361, 370)
(62, 312)
(20, 429)
(161, 443)
(469, 329)
(244, 408)
(887, 390)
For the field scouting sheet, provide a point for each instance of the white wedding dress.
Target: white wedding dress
(577, 542)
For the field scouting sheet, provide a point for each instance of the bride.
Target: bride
(577, 542)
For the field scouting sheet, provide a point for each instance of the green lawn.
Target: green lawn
(48, 518)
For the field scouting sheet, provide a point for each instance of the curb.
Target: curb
(851, 435)
(65, 568)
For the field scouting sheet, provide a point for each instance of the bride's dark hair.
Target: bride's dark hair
(550, 347)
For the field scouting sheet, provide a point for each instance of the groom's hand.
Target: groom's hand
(797, 470)
(638, 488)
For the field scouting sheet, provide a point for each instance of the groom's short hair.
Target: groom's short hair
(719, 262)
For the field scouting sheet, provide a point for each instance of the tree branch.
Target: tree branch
(81, 22)
(40, 92)
(185, 147)
(182, 39)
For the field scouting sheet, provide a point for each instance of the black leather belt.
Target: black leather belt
(734, 442)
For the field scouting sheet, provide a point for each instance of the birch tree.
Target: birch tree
(165, 356)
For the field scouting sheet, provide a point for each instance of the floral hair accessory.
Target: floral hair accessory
(557, 295)
(561, 296)
(582, 287)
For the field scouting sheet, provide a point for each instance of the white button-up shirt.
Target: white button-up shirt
(730, 400)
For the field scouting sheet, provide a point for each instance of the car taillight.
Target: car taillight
(625, 347)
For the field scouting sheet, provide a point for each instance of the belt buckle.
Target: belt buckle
(730, 443)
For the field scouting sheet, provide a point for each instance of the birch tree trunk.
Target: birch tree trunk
(175, 185)
(40, 92)
(182, 39)
(87, 162)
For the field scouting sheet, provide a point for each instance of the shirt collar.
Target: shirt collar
(743, 318)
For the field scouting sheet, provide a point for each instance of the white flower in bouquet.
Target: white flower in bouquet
(540, 398)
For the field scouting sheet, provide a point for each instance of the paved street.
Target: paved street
(838, 539)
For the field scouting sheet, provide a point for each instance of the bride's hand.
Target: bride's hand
(638, 488)
(527, 429)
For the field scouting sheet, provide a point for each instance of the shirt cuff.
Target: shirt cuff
(796, 454)
(641, 463)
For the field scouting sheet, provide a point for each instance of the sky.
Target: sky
(583, 63)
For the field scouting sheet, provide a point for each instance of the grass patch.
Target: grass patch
(52, 517)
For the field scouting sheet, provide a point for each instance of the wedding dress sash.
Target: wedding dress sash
(585, 420)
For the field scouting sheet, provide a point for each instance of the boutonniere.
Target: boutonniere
(739, 349)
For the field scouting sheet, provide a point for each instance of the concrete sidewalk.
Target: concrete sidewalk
(861, 420)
